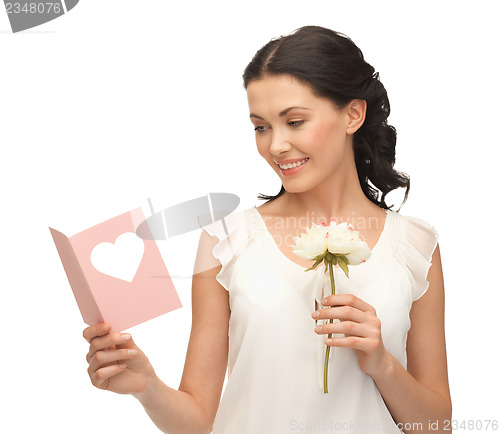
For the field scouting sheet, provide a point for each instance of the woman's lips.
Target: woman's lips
(293, 170)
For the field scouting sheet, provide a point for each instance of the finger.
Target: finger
(107, 342)
(366, 345)
(100, 376)
(347, 300)
(344, 313)
(354, 342)
(106, 358)
(96, 330)
(348, 328)
(110, 341)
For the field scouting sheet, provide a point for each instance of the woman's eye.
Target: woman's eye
(261, 129)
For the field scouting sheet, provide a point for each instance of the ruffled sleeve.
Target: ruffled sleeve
(233, 238)
(418, 242)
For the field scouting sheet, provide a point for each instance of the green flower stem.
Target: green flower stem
(325, 386)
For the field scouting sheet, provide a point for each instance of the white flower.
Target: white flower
(311, 243)
(344, 240)
(338, 239)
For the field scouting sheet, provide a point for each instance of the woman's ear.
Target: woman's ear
(355, 115)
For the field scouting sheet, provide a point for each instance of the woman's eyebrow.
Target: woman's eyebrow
(283, 113)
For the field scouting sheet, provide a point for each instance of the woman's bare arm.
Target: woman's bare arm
(421, 393)
(193, 407)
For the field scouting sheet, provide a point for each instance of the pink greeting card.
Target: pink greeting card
(117, 276)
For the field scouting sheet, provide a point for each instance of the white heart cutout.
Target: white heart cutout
(121, 259)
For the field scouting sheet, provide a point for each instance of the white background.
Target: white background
(118, 101)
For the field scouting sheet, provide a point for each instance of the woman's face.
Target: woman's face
(316, 131)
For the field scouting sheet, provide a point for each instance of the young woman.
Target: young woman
(320, 114)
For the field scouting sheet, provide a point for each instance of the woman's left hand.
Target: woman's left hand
(361, 327)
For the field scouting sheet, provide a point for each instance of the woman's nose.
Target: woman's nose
(279, 142)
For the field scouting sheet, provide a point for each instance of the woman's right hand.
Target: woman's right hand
(108, 351)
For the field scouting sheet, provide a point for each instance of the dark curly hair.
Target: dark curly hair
(334, 67)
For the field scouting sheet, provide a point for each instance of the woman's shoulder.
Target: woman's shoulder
(415, 241)
(234, 237)
(223, 225)
(413, 228)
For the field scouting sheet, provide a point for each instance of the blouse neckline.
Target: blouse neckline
(383, 237)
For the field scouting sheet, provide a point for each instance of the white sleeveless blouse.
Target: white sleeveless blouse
(276, 360)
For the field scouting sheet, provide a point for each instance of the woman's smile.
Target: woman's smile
(292, 169)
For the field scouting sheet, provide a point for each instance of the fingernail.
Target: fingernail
(106, 328)
(315, 314)
(318, 329)
(324, 301)
(132, 352)
(126, 337)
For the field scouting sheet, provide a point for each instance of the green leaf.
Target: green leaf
(320, 257)
(318, 261)
(343, 262)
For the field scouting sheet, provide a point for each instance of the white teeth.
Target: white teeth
(289, 166)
